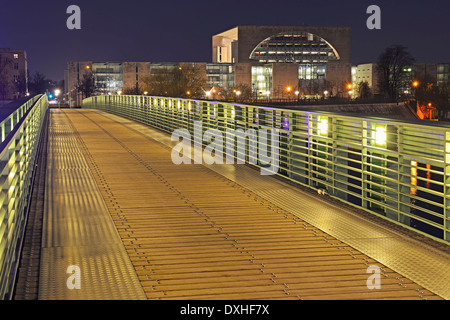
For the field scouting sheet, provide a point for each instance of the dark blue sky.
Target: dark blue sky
(137, 30)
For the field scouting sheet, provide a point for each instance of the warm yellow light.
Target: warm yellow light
(88, 67)
(145, 93)
(288, 89)
(415, 83)
(323, 126)
(349, 86)
(380, 135)
(188, 92)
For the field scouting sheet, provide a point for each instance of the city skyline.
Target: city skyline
(163, 32)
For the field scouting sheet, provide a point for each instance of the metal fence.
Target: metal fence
(20, 133)
(395, 169)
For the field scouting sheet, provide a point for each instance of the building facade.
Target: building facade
(13, 74)
(269, 62)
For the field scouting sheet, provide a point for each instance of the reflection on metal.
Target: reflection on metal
(19, 141)
(365, 162)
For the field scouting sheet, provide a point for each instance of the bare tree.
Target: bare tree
(364, 90)
(390, 69)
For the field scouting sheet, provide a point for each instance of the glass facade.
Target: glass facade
(262, 81)
(220, 75)
(295, 47)
(312, 78)
(108, 77)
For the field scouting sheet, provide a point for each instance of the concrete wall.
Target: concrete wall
(384, 110)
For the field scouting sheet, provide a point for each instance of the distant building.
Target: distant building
(13, 74)
(271, 61)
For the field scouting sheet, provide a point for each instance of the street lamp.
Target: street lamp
(289, 89)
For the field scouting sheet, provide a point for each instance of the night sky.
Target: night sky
(170, 31)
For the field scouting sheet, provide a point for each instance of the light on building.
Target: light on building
(297, 92)
(325, 92)
(288, 89)
(415, 84)
(349, 86)
(57, 92)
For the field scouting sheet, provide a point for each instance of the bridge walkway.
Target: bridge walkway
(140, 227)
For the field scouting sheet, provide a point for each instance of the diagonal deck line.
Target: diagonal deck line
(421, 263)
(78, 230)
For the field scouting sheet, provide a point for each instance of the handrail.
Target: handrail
(20, 134)
(398, 170)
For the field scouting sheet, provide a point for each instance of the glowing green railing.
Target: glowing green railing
(20, 133)
(398, 170)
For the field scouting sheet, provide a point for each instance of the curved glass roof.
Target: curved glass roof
(301, 47)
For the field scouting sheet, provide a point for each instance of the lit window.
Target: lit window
(16, 56)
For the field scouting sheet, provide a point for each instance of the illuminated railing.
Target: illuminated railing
(398, 170)
(20, 133)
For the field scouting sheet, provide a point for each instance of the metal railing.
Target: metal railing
(20, 133)
(398, 170)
